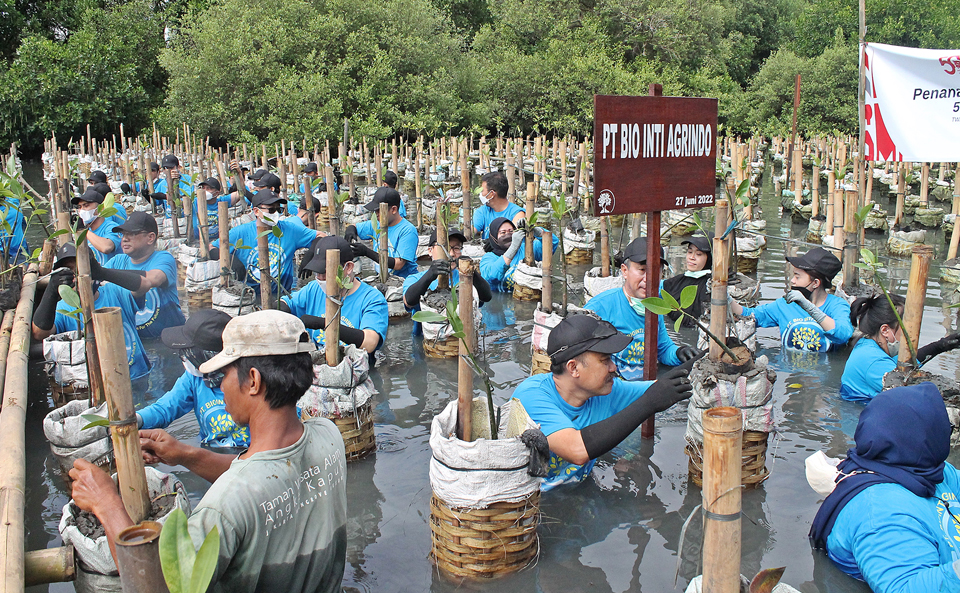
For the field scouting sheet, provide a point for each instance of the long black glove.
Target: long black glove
(926, 353)
(129, 279)
(672, 387)
(158, 196)
(421, 286)
(312, 321)
(361, 249)
(350, 335)
(46, 312)
(145, 192)
(351, 234)
(685, 353)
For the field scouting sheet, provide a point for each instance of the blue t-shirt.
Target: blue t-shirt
(613, 306)
(897, 541)
(294, 236)
(107, 231)
(186, 189)
(543, 403)
(161, 305)
(190, 393)
(484, 215)
(499, 275)
(12, 243)
(109, 295)
(213, 222)
(365, 308)
(863, 375)
(798, 331)
(402, 241)
(121, 215)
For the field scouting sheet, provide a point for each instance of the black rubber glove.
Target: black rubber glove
(351, 234)
(158, 196)
(685, 353)
(129, 279)
(145, 192)
(672, 387)
(214, 253)
(238, 268)
(313, 322)
(125, 188)
(926, 353)
(421, 286)
(539, 463)
(46, 312)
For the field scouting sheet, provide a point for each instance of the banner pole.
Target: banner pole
(861, 83)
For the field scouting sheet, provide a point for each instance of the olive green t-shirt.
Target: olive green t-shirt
(281, 516)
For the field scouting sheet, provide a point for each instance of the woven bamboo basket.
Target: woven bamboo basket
(579, 257)
(540, 363)
(62, 394)
(357, 432)
(181, 274)
(200, 299)
(484, 543)
(448, 348)
(747, 265)
(524, 293)
(753, 470)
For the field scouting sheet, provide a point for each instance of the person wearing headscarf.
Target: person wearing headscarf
(698, 263)
(504, 247)
(892, 518)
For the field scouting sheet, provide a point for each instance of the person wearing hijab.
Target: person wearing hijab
(699, 264)
(504, 247)
(892, 519)
(875, 353)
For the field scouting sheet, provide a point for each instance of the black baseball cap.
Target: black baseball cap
(67, 252)
(581, 333)
(317, 205)
(391, 179)
(203, 330)
(258, 174)
(210, 182)
(311, 168)
(265, 197)
(636, 251)
(170, 162)
(386, 195)
(701, 242)
(154, 166)
(91, 195)
(318, 263)
(818, 260)
(138, 222)
(97, 177)
(103, 188)
(268, 180)
(451, 233)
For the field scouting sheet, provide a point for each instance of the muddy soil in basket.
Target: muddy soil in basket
(90, 526)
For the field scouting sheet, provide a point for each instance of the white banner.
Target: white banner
(911, 103)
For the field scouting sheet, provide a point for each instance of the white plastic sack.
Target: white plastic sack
(542, 324)
(751, 392)
(94, 554)
(202, 275)
(229, 300)
(529, 276)
(594, 283)
(338, 391)
(187, 254)
(442, 331)
(476, 474)
(583, 240)
(66, 358)
(63, 427)
(696, 586)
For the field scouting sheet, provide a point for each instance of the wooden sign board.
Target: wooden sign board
(653, 153)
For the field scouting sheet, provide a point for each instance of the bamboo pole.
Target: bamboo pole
(901, 194)
(722, 451)
(546, 292)
(384, 241)
(85, 286)
(604, 248)
(443, 240)
(123, 420)
(417, 183)
(138, 559)
(331, 333)
(815, 192)
(467, 196)
(188, 215)
(52, 565)
(6, 329)
(224, 231)
(850, 238)
(173, 192)
(913, 308)
(531, 204)
(263, 252)
(204, 230)
(467, 268)
(924, 184)
(955, 234)
(12, 428)
(721, 270)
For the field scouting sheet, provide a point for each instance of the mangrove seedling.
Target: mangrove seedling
(871, 263)
(186, 569)
(666, 304)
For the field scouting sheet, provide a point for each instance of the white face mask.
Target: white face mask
(638, 306)
(822, 473)
(893, 349)
(271, 219)
(697, 274)
(249, 184)
(484, 198)
(87, 216)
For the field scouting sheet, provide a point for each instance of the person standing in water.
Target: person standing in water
(699, 265)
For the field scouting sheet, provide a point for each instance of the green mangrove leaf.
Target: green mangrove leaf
(428, 317)
(94, 421)
(687, 296)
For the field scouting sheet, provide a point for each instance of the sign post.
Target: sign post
(653, 153)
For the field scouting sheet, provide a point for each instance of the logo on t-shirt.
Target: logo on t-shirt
(805, 334)
(147, 314)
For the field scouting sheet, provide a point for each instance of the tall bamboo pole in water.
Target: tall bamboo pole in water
(913, 307)
(467, 268)
(722, 458)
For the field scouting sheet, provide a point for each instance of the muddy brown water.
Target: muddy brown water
(617, 532)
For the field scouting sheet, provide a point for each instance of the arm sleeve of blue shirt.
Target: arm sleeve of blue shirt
(365, 230)
(840, 313)
(110, 233)
(305, 235)
(295, 302)
(666, 349)
(763, 314)
(543, 411)
(894, 553)
(175, 403)
(407, 245)
(376, 316)
(492, 268)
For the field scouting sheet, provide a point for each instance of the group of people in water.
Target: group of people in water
(888, 521)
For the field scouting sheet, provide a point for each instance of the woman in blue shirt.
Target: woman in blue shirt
(504, 248)
(875, 354)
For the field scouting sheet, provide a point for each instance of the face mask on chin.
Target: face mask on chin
(637, 305)
(805, 291)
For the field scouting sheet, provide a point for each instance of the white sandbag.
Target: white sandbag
(442, 331)
(166, 229)
(66, 358)
(750, 391)
(170, 244)
(578, 240)
(742, 328)
(63, 427)
(594, 283)
(94, 554)
(476, 474)
(393, 292)
(338, 391)
(542, 324)
(696, 586)
(902, 242)
(529, 276)
(234, 300)
(187, 254)
(473, 250)
(202, 275)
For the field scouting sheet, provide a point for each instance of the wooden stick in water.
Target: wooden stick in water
(331, 334)
(467, 268)
(722, 445)
(920, 259)
(223, 222)
(721, 269)
(604, 247)
(384, 245)
(546, 292)
(531, 203)
(85, 289)
(263, 251)
(204, 229)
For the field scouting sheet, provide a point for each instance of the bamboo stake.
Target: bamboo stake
(467, 196)
(721, 269)
(467, 267)
(138, 558)
(955, 234)
(815, 192)
(333, 221)
(85, 286)
(12, 427)
(418, 187)
(913, 308)
(331, 334)
(52, 565)
(722, 451)
(850, 235)
(604, 248)
(204, 226)
(443, 240)
(188, 215)
(384, 241)
(924, 183)
(224, 231)
(173, 192)
(263, 252)
(546, 291)
(901, 195)
(531, 203)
